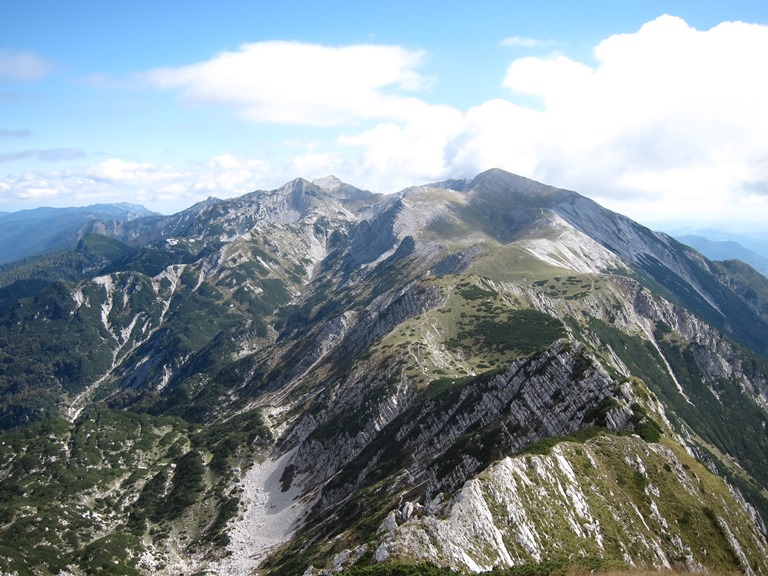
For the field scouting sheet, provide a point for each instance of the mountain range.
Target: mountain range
(726, 250)
(40, 231)
(468, 375)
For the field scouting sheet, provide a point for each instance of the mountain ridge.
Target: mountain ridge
(389, 362)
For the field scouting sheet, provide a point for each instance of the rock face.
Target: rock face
(475, 373)
(614, 496)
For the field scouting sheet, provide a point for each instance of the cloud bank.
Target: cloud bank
(667, 112)
(164, 188)
(668, 118)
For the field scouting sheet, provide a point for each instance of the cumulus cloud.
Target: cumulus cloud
(669, 117)
(405, 153)
(22, 66)
(298, 83)
(669, 111)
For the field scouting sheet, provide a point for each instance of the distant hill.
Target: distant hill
(748, 244)
(45, 230)
(725, 250)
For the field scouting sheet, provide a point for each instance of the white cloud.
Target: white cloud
(117, 170)
(669, 118)
(396, 156)
(22, 66)
(297, 83)
(662, 103)
(162, 188)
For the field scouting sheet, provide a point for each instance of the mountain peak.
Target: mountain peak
(498, 184)
(328, 183)
(296, 185)
(343, 191)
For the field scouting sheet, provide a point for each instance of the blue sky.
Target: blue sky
(654, 109)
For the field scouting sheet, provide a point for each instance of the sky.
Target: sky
(658, 110)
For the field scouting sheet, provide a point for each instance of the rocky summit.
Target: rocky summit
(468, 375)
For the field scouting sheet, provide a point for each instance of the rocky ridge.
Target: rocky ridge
(504, 517)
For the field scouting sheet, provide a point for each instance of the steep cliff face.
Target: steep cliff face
(553, 394)
(611, 496)
(475, 373)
